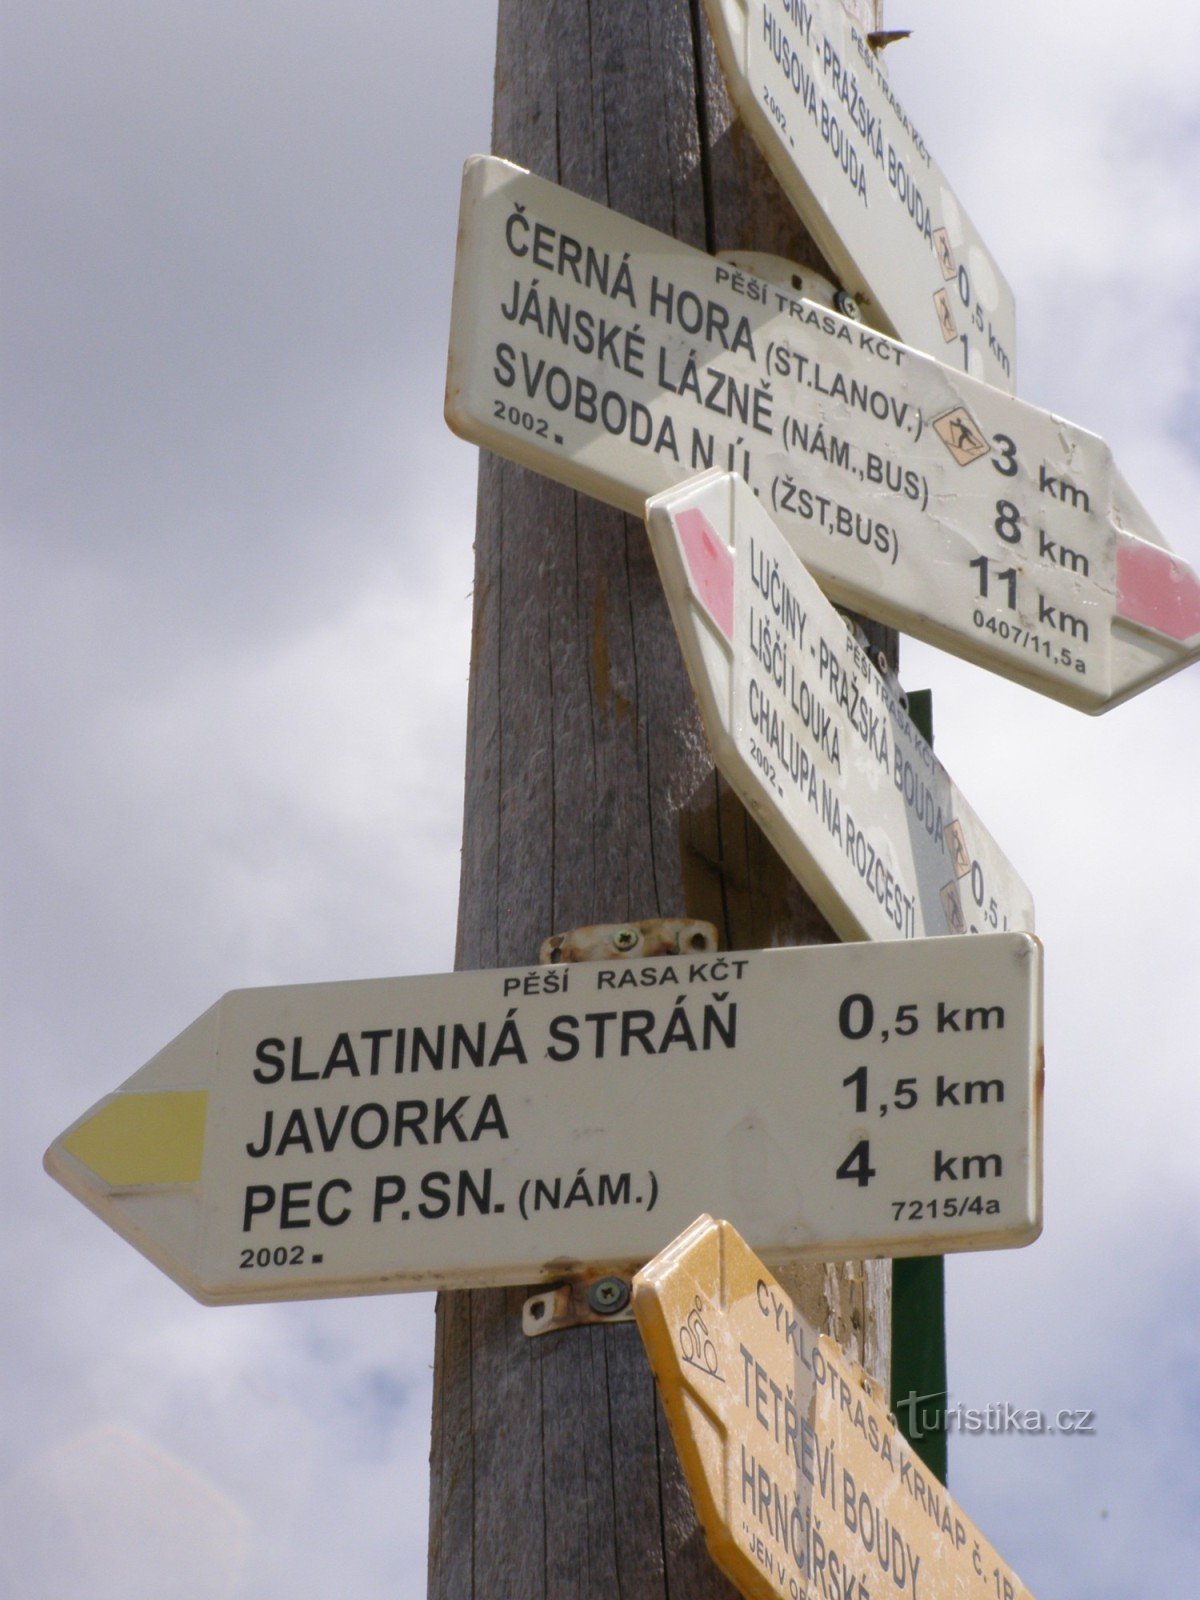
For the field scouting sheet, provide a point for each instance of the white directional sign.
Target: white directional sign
(512, 1126)
(621, 362)
(802, 1482)
(818, 102)
(817, 744)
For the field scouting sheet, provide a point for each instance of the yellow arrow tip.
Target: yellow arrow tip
(136, 1139)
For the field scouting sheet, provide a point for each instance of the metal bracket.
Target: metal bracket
(602, 1296)
(627, 941)
(593, 1297)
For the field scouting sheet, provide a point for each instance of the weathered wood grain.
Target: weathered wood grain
(591, 797)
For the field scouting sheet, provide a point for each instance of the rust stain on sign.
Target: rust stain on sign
(801, 1480)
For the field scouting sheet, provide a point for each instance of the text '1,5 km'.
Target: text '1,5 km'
(503, 1127)
(621, 362)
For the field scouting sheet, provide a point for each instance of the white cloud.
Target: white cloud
(112, 1516)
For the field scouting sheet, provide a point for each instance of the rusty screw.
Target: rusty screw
(625, 939)
(607, 1296)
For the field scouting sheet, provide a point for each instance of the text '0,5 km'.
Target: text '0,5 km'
(621, 362)
(483, 1128)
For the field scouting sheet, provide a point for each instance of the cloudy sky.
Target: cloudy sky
(238, 558)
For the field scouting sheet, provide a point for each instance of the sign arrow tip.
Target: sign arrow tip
(1157, 590)
(711, 564)
(134, 1140)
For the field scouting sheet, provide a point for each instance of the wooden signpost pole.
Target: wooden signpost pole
(591, 797)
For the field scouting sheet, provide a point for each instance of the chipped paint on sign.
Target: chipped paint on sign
(801, 1480)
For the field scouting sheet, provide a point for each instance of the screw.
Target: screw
(607, 1296)
(847, 305)
(625, 938)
